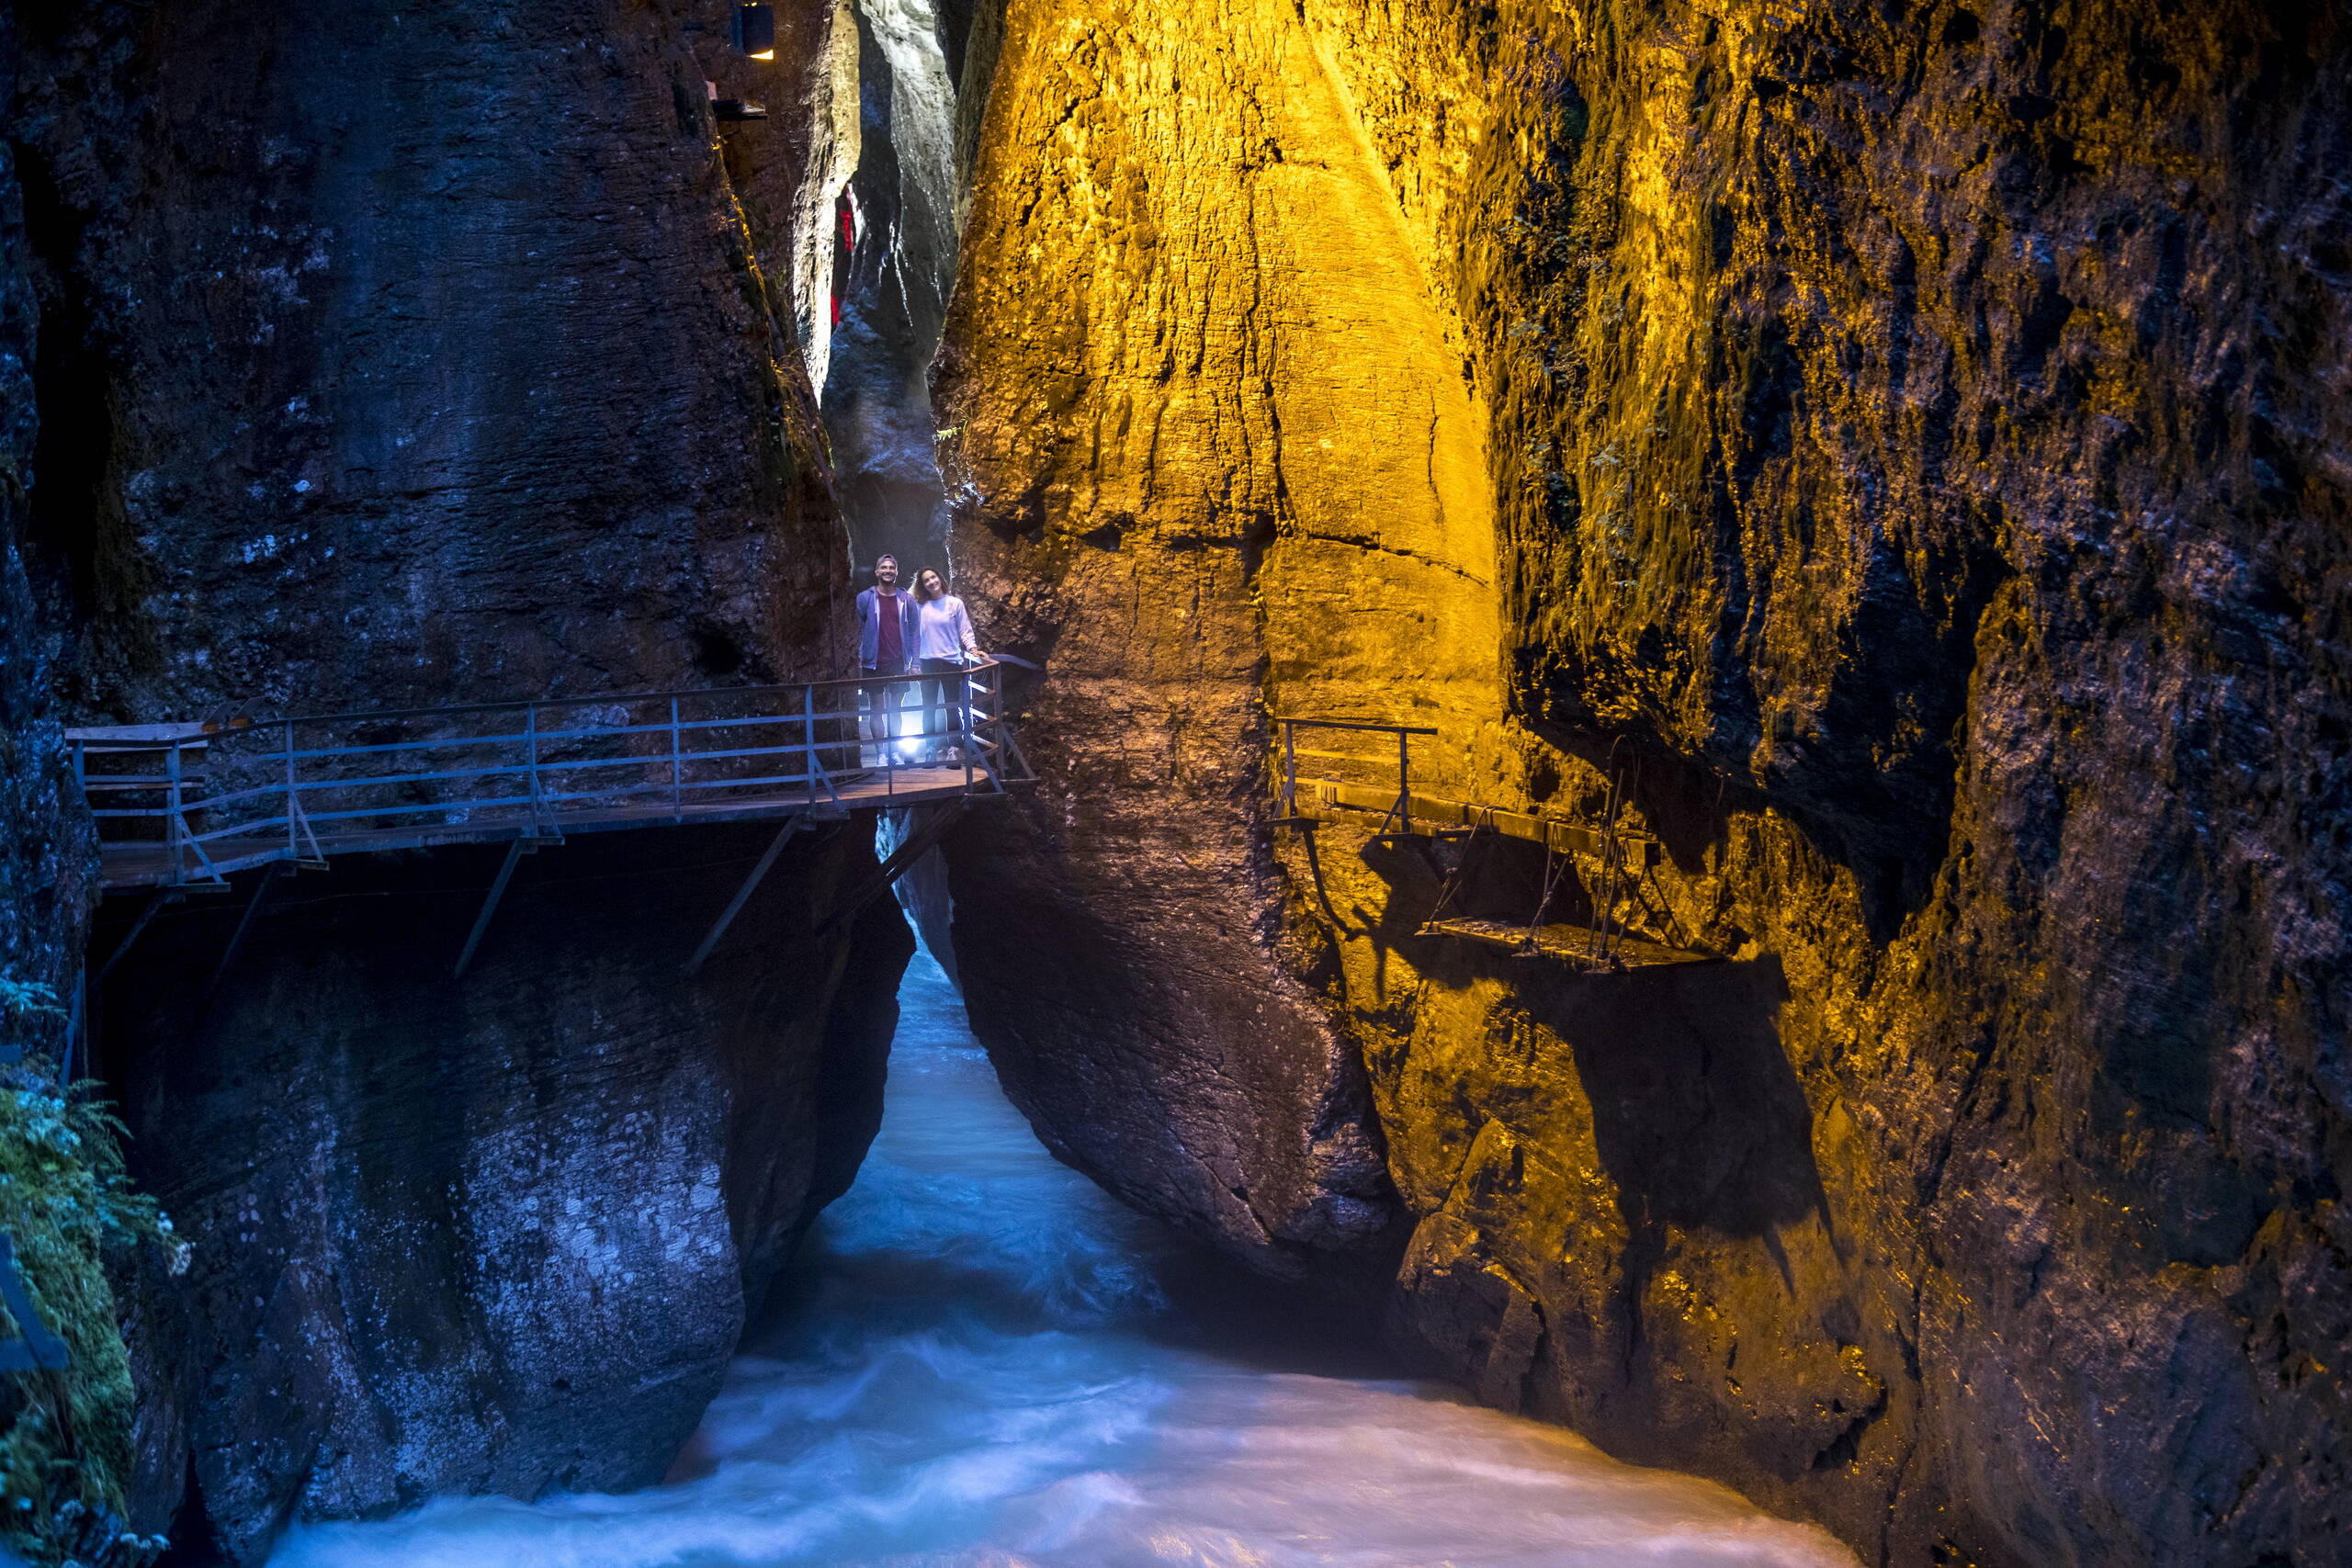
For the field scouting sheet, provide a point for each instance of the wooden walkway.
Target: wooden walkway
(128, 865)
(1384, 757)
(183, 805)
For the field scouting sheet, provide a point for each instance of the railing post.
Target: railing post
(293, 804)
(677, 774)
(964, 704)
(173, 826)
(531, 765)
(808, 741)
(1290, 769)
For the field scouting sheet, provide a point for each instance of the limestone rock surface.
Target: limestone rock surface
(384, 355)
(45, 841)
(416, 355)
(1899, 447)
(498, 1235)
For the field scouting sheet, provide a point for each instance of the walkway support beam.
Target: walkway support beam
(514, 852)
(743, 893)
(912, 847)
(244, 923)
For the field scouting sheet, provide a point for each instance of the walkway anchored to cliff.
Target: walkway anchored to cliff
(181, 807)
(1622, 854)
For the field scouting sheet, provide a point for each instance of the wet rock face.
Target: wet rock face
(413, 355)
(892, 288)
(1909, 437)
(496, 1235)
(45, 845)
(390, 356)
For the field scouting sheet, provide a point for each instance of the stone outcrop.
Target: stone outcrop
(414, 356)
(497, 1235)
(1903, 446)
(384, 355)
(45, 840)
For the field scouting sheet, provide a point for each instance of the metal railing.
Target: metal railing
(1400, 813)
(188, 803)
(1615, 855)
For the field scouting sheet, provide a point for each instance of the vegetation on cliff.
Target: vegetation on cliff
(66, 1205)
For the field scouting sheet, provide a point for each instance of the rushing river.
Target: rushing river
(987, 1371)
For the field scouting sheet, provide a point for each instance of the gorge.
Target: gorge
(1866, 480)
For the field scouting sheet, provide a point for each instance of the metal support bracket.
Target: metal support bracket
(743, 893)
(299, 820)
(244, 923)
(75, 1027)
(910, 850)
(162, 895)
(514, 852)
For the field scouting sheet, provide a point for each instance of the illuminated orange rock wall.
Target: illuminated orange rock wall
(1240, 453)
(1912, 434)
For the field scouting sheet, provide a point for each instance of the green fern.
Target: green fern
(67, 1204)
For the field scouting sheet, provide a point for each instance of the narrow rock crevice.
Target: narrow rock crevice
(903, 206)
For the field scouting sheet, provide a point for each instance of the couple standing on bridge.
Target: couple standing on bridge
(925, 633)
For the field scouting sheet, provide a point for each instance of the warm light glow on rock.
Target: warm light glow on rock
(1736, 395)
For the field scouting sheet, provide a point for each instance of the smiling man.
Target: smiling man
(886, 646)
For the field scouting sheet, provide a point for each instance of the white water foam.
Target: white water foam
(984, 1374)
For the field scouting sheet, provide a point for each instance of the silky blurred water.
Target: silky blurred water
(987, 1371)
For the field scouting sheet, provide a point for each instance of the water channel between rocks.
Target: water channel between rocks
(994, 1365)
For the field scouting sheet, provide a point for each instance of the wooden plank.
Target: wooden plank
(1572, 945)
(150, 864)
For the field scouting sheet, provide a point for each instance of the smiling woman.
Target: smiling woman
(988, 1373)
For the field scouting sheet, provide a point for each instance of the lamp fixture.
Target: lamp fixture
(754, 31)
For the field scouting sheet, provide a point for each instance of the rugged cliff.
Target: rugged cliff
(65, 1443)
(501, 1234)
(45, 841)
(1901, 445)
(414, 356)
(382, 355)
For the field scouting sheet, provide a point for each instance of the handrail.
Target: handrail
(374, 716)
(1401, 812)
(858, 682)
(1353, 724)
(258, 774)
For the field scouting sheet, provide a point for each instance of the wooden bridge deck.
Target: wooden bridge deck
(129, 865)
(185, 805)
(1600, 945)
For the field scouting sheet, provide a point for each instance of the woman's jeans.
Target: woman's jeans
(943, 701)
